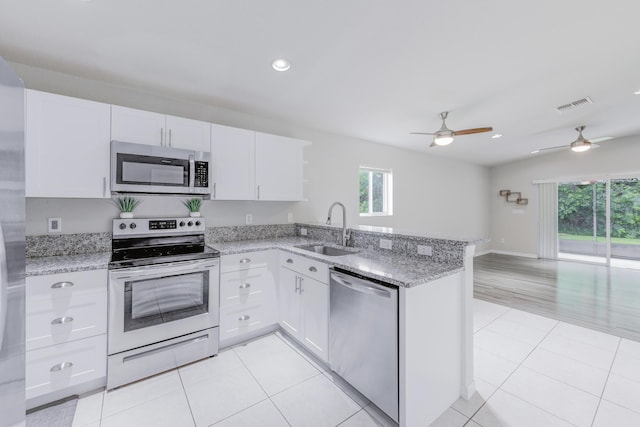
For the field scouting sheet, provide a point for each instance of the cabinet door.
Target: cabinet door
(278, 167)
(66, 146)
(232, 155)
(315, 318)
(289, 300)
(188, 134)
(138, 126)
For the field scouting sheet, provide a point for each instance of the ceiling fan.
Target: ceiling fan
(580, 144)
(444, 135)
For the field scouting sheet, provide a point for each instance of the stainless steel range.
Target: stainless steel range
(163, 297)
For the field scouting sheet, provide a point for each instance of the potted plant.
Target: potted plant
(194, 206)
(126, 205)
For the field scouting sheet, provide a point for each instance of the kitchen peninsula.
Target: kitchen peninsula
(434, 297)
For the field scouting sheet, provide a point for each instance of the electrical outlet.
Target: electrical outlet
(248, 219)
(425, 250)
(54, 225)
(290, 217)
(385, 243)
(303, 231)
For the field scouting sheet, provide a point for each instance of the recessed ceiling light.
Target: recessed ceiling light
(281, 64)
(496, 135)
(637, 92)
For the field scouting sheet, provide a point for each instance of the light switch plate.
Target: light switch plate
(385, 243)
(290, 217)
(54, 225)
(248, 219)
(425, 250)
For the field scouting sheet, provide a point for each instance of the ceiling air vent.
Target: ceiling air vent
(575, 104)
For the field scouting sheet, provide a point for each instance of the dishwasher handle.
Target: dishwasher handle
(362, 286)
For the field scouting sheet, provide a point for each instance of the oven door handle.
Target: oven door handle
(165, 269)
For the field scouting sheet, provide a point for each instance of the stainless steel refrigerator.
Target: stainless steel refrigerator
(12, 248)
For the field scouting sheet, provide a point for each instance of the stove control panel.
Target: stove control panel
(157, 226)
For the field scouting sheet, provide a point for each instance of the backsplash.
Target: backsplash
(67, 244)
(248, 232)
(443, 250)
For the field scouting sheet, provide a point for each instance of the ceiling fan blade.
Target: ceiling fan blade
(552, 148)
(421, 133)
(601, 139)
(472, 131)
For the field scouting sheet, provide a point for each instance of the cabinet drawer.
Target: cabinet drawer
(66, 285)
(60, 366)
(51, 321)
(244, 261)
(306, 266)
(244, 287)
(238, 320)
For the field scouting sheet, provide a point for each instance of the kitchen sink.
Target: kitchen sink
(327, 250)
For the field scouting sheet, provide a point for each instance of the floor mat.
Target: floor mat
(58, 415)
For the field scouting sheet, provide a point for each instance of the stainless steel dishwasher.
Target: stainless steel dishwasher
(363, 337)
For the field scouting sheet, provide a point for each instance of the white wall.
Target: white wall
(431, 194)
(520, 232)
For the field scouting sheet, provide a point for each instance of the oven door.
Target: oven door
(155, 303)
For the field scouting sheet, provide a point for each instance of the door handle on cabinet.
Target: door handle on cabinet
(214, 190)
(245, 285)
(301, 287)
(61, 366)
(245, 260)
(61, 320)
(169, 139)
(61, 285)
(297, 284)
(244, 317)
(104, 186)
(161, 137)
(258, 193)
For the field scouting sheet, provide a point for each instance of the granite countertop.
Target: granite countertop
(66, 263)
(393, 268)
(396, 269)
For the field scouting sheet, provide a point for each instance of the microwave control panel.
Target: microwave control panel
(201, 174)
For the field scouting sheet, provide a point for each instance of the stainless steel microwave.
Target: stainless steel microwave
(152, 169)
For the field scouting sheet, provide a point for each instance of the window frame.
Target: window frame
(387, 191)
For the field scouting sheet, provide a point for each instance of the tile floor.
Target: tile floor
(530, 371)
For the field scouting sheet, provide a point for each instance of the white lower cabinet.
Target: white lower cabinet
(304, 302)
(66, 327)
(248, 299)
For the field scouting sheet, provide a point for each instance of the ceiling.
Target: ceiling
(371, 69)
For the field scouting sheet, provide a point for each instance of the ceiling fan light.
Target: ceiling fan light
(580, 146)
(443, 138)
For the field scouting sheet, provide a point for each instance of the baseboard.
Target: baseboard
(482, 253)
(520, 254)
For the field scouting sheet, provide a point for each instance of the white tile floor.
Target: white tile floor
(529, 370)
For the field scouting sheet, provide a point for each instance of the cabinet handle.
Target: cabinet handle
(61, 366)
(214, 190)
(61, 285)
(289, 261)
(301, 283)
(258, 193)
(313, 269)
(169, 138)
(161, 137)
(104, 186)
(245, 260)
(297, 284)
(245, 286)
(244, 317)
(61, 320)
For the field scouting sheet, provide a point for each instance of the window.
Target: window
(376, 190)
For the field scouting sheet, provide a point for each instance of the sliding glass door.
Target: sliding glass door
(582, 219)
(599, 221)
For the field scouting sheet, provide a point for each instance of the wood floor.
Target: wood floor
(602, 298)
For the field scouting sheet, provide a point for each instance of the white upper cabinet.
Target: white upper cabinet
(278, 167)
(66, 146)
(251, 165)
(233, 163)
(146, 127)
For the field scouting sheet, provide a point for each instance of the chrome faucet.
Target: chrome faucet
(345, 232)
